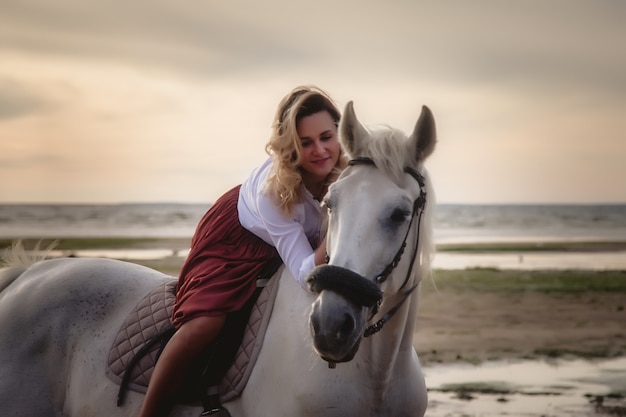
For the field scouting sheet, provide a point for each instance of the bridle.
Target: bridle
(418, 209)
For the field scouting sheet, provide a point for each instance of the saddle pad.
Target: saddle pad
(237, 375)
(150, 317)
(153, 315)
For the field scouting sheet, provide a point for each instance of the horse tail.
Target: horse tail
(15, 260)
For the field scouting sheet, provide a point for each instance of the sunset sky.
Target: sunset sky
(162, 100)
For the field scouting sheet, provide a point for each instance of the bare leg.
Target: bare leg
(189, 341)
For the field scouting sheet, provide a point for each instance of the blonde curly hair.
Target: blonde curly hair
(285, 180)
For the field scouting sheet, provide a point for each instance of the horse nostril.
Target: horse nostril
(315, 322)
(347, 327)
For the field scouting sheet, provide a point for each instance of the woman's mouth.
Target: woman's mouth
(322, 161)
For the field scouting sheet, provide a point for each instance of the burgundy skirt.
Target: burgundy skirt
(219, 274)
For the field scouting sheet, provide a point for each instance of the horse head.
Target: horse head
(377, 233)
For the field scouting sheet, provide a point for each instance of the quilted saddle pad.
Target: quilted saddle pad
(152, 316)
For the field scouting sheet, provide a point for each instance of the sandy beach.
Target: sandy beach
(542, 320)
(519, 342)
(478, 324)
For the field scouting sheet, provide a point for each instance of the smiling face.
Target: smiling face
(320, 149)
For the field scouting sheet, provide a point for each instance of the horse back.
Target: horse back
(8, 275)
(56, 320)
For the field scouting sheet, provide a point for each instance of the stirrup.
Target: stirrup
(216, 412)
(212, 405)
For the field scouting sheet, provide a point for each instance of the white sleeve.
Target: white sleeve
(288, 238)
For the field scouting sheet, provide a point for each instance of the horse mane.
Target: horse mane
(427, 248)
(387, 147)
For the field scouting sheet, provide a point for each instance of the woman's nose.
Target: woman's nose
(319, 147)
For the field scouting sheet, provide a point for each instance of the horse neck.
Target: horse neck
(289, 320)
(397, 333)
(395, 341)
(389, 353)
(411, 276)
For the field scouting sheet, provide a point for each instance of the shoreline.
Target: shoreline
(181, 243)
(167, 253)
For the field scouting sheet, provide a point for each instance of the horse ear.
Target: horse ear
(351, 131)
(424, 136)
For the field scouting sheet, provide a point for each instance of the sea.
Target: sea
(453, 223)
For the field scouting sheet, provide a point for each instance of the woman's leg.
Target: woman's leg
(189, 341)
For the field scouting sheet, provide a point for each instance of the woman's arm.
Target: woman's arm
(289, 239)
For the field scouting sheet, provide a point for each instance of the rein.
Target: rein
(418, 210)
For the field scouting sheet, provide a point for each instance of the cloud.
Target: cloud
(205, 39)
(534, 43)
(185, 90)
(18, 100)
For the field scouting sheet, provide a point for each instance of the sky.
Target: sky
(168, 101)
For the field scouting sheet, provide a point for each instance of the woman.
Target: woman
(274, 213)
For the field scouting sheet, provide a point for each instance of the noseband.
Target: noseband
(361, 290)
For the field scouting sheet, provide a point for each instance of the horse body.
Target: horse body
(53, 357)
(58, 318)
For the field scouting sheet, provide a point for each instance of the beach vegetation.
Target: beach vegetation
(556, 246)
(512, 281)
(82, 243)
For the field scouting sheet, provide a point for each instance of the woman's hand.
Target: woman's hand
(320, 253)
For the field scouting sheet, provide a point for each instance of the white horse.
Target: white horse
(58, 317)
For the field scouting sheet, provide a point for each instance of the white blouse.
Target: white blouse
(289, 234)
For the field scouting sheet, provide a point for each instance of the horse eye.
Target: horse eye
(399, 215)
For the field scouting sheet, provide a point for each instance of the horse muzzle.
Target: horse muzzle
(339, 314)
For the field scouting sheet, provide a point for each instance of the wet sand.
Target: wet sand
(523, 352)
(572, 387)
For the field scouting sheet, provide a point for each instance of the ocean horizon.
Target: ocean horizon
(453, 222)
